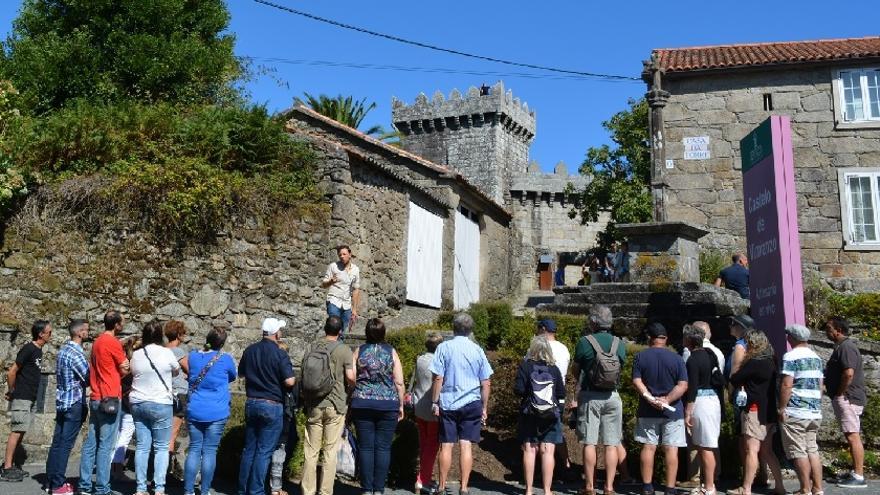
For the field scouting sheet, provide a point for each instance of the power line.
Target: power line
(438, 70)
(441, 49)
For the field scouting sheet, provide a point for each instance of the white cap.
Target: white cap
(272, 325)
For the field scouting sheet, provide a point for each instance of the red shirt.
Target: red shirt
(104, 377)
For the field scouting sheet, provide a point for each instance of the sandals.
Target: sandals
(279, 492)
(737, 491)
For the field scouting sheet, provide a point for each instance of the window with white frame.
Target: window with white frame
(859, 93)
(860, 194)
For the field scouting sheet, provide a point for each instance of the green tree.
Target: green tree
(343, 109)
(620, 175)
(173, 50)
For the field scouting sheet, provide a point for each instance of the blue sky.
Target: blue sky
(595, 36)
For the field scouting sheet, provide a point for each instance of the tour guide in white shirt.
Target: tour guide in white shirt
(344, 281)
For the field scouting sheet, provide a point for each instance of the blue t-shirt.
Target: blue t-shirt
(736, 277)
(264, 366)
(210, 401)
(660, 370)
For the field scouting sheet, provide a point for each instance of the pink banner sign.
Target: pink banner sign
(773, 248)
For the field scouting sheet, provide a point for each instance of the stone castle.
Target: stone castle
(485, 135)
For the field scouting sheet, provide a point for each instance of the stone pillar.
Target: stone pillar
(663, 252)
(657, 99)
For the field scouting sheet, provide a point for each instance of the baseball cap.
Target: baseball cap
(549, 325)
(744, 321)
(798, 333)
(655, 330)
(272, 325)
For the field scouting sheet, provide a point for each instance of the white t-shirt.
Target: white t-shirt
(561, 356)
(146, 385)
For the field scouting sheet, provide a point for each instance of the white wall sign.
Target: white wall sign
(670, 163)
(696, 148)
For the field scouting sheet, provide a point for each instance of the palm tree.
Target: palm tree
(343, 109)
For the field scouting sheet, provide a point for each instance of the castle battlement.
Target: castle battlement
(496, 107)
(534, 181)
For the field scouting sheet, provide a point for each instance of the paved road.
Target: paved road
(33, 486)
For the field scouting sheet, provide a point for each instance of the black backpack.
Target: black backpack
(542, 399)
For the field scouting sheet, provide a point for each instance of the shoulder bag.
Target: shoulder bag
(198, 381)
(173, 396)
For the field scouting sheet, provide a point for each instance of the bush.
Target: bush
(232, 444)
(409, 344)
(862, 310)
(712, 261)
(182, 172)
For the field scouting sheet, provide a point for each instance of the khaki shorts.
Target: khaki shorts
(600, 418)
(21, 415)
(799, 437)
(752, 427)
(847, 414)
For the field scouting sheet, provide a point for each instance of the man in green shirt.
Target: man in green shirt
(325, 416)
(600, 410)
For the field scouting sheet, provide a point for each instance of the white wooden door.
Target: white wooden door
(424, 256)
(466, 288)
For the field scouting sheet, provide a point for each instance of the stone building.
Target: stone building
(485, 135)
(422, 231)
(706, 99)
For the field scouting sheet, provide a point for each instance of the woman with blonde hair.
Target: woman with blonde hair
(757, 375)
(539, 383)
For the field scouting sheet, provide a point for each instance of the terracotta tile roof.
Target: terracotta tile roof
(762, 54)
(360, 135)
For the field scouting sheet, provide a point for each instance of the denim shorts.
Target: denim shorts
(531, 429)
(462, 424)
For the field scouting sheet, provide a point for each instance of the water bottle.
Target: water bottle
(741, 398)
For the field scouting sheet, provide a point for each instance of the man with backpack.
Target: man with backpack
(327, 376)
(598, 359)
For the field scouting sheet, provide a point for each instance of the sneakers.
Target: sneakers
(12, 474)
(65, 489)
(851, 482)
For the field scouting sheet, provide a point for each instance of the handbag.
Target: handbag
(174, 398)
(107, 405)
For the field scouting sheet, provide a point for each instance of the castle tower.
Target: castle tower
(484, 135)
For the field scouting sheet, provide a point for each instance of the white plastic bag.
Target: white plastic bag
(346, 464)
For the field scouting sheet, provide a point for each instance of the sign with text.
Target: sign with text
(696, 148)
(773, 248)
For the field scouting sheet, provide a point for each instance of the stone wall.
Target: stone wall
(540, 208)
(708, 193)
(53, 270)
(485, 137)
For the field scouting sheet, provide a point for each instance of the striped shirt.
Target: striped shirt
(806, 368)
(71, 376)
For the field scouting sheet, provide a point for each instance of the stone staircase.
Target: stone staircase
(635, 304)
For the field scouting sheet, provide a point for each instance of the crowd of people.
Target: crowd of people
(152, 382)
(613, 266)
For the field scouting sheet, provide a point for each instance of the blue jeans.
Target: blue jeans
(344, 314)
(204, 437)
(152, 426)
(375, 430)
(263, 421)
(67, 426)
(97, 450)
